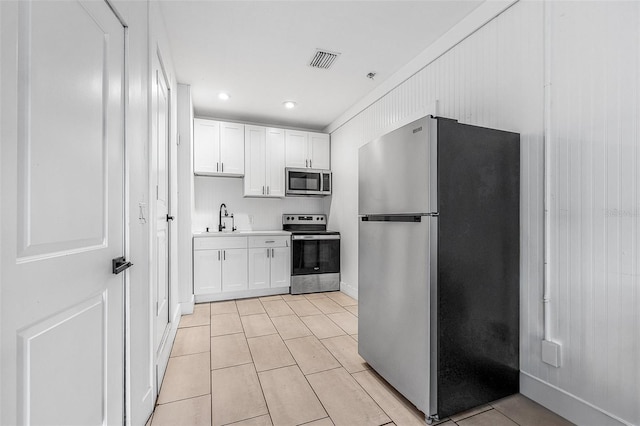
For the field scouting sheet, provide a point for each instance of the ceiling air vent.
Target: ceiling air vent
(323, 59)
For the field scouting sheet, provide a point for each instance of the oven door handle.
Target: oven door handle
(315, 237)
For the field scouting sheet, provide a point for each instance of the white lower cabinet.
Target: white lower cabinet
(236, 267)
(258, 268)
(207, 271)
(280, 267)
(269, 262)
(219, 265)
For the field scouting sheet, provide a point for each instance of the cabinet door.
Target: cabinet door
(320, 147)
(296, 149)
(206, 146)
(206, 271)
(258, 268)
(275, 162)
(234, 269)
(280, 267)
(254, 170)
(232, 148)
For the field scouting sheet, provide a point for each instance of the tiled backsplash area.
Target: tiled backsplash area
(258, 214)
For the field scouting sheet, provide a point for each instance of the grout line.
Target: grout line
(371, 396)
(247, 419)
(178, 400)
(193, 353)
(317, 420)
(316, 395)
(231, 366)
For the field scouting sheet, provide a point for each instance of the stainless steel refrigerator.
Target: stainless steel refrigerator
(438, 263)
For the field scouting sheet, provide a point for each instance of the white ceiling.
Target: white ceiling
(258, 52)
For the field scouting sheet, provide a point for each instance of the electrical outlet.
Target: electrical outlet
(551, 353)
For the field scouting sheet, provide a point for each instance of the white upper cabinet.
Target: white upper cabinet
(218, 148)
(254, 160)
(297, 149)
(274, 170)
(320, 148)
(307, 150)
(264, 162)
(232, 148)
(206, 149)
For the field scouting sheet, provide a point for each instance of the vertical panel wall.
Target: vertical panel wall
(595, 215)
(495, 78)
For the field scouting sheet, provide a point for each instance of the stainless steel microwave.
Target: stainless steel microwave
(307, 182)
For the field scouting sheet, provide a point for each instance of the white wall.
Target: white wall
(595, 211)
(145, 32)
(210, 192)
(495, 78)
(140, 399)
(160, 55)
(185, 204)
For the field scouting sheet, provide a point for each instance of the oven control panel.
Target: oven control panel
(304, 219)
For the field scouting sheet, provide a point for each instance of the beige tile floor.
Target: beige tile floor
(293, 360)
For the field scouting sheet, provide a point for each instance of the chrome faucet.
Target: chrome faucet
(222, 226)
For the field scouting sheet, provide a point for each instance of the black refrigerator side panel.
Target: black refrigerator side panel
(478, 266)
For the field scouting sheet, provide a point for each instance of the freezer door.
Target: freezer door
(395, 258)
(396, 172)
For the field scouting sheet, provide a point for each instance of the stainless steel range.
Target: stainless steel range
(315, 253)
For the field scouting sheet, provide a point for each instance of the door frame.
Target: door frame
(160, 354)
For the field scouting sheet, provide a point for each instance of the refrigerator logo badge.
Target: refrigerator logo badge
(419, 129)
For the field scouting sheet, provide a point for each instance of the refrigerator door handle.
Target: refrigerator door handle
(396, 217)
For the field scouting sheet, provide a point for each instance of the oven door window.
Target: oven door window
(316, 257)
(303, 181)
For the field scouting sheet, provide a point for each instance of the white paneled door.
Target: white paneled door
(62, 177)
(160, 135)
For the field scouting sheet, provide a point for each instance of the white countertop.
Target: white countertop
(240, 233)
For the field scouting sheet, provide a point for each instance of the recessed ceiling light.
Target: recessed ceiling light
(289, 104)
(223, 96)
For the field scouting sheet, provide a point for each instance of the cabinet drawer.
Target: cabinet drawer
(269, 241)
(213, 243)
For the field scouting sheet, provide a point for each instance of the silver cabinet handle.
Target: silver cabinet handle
(218, 255)
(310, 165)
(267, 253)
(273, 252)
(263, 190)
(306, 163)
(222, 167)
(224, 255)
(270, 241)
(267, 190)
(217, 167)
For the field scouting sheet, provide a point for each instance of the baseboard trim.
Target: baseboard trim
(565, 404)
(187, 307)
(165, 352)
(349, 290)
